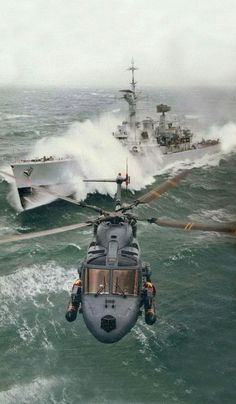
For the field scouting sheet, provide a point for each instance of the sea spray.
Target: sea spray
(99, 156)
(12, 197)
(226, 134)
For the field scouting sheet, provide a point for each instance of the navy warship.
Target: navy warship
(164, 142)
(169, 141)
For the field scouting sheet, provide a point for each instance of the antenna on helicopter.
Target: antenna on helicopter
(119, 181)
(127, 178)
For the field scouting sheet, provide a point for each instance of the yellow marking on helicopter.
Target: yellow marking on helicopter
(188, 226)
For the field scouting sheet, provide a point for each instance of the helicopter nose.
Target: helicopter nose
(108, 323)
(109, 318)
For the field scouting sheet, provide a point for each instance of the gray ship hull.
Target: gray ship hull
(190, 155)
(56, 173)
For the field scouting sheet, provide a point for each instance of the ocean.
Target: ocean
(188, 356)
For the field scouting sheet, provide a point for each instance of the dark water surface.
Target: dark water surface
(188, 356)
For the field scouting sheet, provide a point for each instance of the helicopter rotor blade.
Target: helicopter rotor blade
(99, 180)
(43, 233)
(165, 186)
(157, 192)
(95, 208)
(59, 196)
(221, 228)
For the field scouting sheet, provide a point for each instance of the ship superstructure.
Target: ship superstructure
(148, 134)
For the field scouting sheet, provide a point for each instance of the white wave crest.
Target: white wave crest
(99, 156)
(38, 391)
(32, 282)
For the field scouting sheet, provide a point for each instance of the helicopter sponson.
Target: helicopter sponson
(114, 283)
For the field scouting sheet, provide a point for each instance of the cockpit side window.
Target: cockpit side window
(125, 282)
(97, 281)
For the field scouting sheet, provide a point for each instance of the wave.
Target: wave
(16, 116)
(216, 215)
(99, 155)
(32, 282)
(37, 391)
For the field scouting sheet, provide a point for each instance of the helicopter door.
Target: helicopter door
(125, 282)
(97, 281)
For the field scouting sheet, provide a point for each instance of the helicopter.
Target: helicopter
(114, 284)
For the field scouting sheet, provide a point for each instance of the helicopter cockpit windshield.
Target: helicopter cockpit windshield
(117, 281)
(97, 281)
(125, 282)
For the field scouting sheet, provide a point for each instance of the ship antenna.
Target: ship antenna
(131, 98)
(132, 68)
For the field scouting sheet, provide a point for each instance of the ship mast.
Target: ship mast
(133, 83)
(133, 98)
(130, 97)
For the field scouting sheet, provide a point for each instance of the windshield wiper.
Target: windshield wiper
(120, 288)
(100, 290)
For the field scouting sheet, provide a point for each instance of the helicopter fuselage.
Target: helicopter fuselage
(112, 280)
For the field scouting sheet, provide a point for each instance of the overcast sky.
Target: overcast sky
(91, 42)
